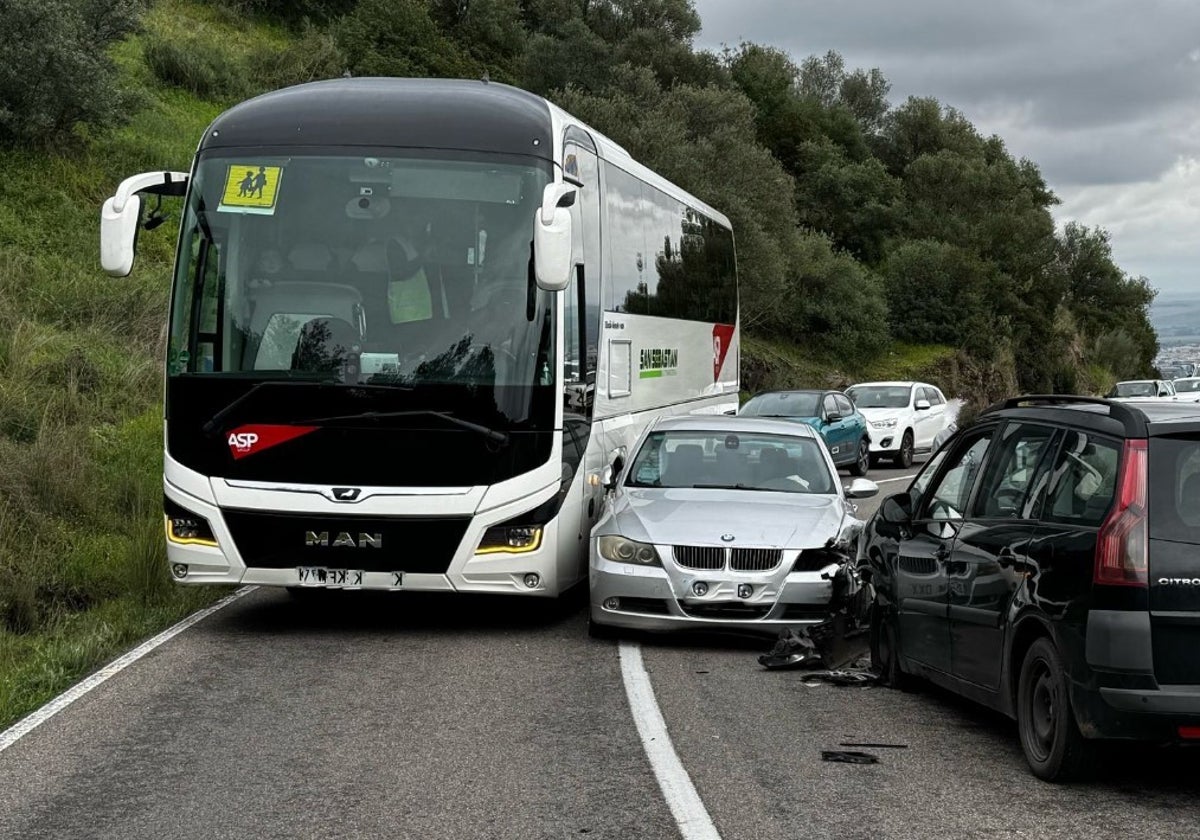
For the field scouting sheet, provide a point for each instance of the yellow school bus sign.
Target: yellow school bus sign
(251, 188)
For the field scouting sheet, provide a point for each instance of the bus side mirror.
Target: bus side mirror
(118, 235)
(552, 238)
(121, 216)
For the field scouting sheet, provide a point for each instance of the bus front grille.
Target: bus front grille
(416, 545)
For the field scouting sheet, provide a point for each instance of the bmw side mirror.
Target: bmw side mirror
(862, 488)
(608, 478)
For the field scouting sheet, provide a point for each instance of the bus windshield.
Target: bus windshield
(409, 268)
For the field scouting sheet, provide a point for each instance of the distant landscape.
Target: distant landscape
(1176, 319)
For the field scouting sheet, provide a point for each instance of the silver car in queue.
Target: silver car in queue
(720, 522)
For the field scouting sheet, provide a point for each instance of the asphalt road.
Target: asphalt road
(365, 716)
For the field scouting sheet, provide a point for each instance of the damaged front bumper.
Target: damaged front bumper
(670, 597)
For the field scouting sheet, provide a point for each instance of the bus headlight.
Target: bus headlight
(185, 527)
(621, 550)
(510, 539)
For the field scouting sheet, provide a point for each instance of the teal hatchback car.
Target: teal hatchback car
(831, 413)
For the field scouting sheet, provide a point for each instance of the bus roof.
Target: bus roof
(436, 113)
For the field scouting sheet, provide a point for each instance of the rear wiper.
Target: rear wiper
(491, 434)
(214, 422)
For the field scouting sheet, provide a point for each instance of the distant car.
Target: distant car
(904, 417)
(1174, 372)
(1187, 388)
(1142, 389)
(724, 523)
(831, 413)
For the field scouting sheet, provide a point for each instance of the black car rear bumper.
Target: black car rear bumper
(1167, 700)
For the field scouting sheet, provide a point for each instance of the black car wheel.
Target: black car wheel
(904, 457)
(1053, 745)
(863, 462)
(885, 659)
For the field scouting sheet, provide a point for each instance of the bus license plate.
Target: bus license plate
(321, 576)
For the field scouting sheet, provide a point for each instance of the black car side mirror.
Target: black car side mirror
(897, 509)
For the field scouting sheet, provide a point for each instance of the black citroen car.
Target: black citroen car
(1046, 563)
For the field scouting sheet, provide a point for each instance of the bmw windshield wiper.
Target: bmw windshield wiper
(213, 423)
(491, 434)
(739, 487)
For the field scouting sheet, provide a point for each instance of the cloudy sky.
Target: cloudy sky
(1103, 95)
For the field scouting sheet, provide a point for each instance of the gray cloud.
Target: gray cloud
(1103, 95)
(1122, 68)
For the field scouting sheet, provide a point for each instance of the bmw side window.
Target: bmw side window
(1011, 471)
(952, 489)
(1083, 480)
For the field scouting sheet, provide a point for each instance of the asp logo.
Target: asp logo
(242, 441)
(248, 440)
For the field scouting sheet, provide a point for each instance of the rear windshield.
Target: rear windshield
(1175, 488)
(795, 404)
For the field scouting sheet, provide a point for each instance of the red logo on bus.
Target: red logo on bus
(722, 338)
(246, 440)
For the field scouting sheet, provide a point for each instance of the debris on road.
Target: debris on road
(795, 648)
(874, 746)
(849, 757)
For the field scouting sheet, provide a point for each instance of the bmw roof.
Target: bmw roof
(727, 423)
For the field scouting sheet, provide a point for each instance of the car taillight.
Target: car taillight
(1121, 546)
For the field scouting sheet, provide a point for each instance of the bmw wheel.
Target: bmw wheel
(1053, 745)
(904, 457)
(863, 462)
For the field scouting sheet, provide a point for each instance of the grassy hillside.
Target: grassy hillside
(82, 573)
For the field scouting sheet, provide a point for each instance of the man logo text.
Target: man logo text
(343, 540)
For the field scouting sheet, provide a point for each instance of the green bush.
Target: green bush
(55, 73)
(314, 55)
(197, 65)
(399, 38)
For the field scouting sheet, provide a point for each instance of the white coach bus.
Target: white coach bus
(411, 321)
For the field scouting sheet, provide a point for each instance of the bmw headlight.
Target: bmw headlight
(890, 423)
(621, 550)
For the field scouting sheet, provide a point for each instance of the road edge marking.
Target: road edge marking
(686, 806)
(897, 478)
(39, 716)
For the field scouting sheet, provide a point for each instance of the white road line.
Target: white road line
(677, 788)
(897, 478)
(35, 719)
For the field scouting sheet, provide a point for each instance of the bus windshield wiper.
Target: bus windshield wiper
(214, 422)
(491, 434)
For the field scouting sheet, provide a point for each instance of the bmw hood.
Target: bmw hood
(705, 517)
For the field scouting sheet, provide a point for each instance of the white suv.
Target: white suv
(904, 417)
(1143, 389)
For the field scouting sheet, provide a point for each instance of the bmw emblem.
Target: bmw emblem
(727, 537)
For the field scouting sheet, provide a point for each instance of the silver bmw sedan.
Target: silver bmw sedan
(721, 522)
